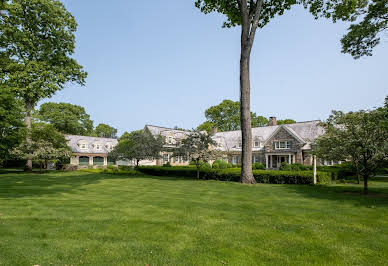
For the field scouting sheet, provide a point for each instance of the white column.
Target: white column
(105, 161)
(266, 161)
(293, 158)
(289, 158)
(90, 160)
(315, 168)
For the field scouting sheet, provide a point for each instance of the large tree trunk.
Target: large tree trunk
(28, 166)
(246, 128)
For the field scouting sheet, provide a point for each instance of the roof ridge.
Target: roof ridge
(71, 135)
(167, 128)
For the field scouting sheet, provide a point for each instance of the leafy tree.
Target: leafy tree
(363, 36)
(46, 144)
(226, 117)
(11, 123)
(286, 121)
(137, 146)
(66, 118)
(250, 15)
(105, 131)
(206, 126)
(36, 44)
(356, 136)
(198, 148)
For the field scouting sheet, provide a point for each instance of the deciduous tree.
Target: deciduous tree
(356, 136)
(198, 147)
(36, 44)
(105, 131)
(66, 118)
(250, 15)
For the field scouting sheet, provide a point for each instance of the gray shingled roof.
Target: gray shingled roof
(305, 132)
(75, 141)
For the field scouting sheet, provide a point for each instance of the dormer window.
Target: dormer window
(83, 146)
(98, 146)
(256, 144)
(169, 140)
(282, 145)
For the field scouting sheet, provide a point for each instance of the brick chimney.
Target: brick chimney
(213, 131)
(272, 121)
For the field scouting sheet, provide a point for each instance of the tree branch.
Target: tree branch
(255, 23)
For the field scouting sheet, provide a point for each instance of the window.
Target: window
(165, 158)
(83, 146)
(98, 147)
(281, 145)
(256, 143)
(169, 140)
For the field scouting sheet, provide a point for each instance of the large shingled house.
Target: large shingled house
(272, 144)
(90, 151)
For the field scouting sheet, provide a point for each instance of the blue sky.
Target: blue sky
(163, 62)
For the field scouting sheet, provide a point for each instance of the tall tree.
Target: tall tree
(66, 118)
(356, 136)
(105, 131)
(36, 43)
(11, 122)
(206, 126)
(363, 36)
(250, 15)
(199, 148)
(137, 146)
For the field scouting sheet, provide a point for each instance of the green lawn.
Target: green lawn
(79, 218)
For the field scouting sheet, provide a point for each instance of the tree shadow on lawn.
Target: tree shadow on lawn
(18, 184)
(377, 196)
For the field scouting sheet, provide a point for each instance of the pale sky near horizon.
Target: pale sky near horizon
(162, 62)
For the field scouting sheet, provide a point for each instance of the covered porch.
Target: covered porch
(274, 160)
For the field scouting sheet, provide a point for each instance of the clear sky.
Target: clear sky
(163, 62)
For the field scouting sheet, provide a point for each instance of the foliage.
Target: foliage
(105, 131)
(168, 164)
(137, 146)
(66, 118)
(286, 121)
(198, 147)
(206, 126)
(362, 36)
(11, 123)
(46, 145)
(261, 176)
(258, 166)
(226, 117)
(219, 164)
(357, 136)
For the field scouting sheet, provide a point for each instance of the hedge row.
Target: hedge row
(261, 176)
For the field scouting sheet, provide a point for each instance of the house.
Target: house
(90, 151)
(271, 145)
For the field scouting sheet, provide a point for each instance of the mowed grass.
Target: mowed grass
(78, 218)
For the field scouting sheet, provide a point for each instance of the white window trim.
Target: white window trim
(287, 145)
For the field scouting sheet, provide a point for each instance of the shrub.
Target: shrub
(258, 166)
(206, 166)
(167, 164)
(261, 176)
(125, 168)
(215, 166)
(230, 165)
(220, 164)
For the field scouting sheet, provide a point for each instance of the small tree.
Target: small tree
(356, 136)
(198, 147)
(137, 146)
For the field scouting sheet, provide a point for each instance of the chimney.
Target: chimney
(213, 131)
(272, 121)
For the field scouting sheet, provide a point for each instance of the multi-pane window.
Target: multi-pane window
(83, 146)
(169, 140)
(281, 145)
(165, 158)
(256, 143)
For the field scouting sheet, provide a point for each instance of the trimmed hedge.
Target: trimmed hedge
(261, 176)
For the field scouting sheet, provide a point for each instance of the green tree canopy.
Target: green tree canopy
(206, 126)
(66, 118)
(199, 148)
(36, 43)
(11, 122)
(105, 131)
(356, 136)
(286, 121)
(137, 146)
(363, 36)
